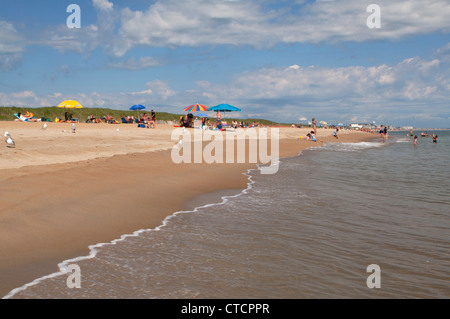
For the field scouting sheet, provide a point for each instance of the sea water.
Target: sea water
(309, 231)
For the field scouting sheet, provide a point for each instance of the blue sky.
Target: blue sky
(282, 60)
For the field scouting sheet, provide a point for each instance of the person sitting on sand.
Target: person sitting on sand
(67, 117)
(93, 119)
(109, 119)
(22, 117)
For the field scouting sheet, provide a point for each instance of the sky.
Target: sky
(287, 61)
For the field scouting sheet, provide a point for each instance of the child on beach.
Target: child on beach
(335, 133)
(415, 140)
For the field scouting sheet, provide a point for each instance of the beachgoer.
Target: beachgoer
(152, 120)
(415, 140)
(314, 122)
(335, 134)
(385, 132)
(434, 138)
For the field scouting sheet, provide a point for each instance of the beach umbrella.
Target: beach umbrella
(137, 107)
(196, 108)
(323, 123)
(224, 108)
(70, 104)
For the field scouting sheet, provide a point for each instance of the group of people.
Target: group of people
(311, 136)
(416, 139)
(144, 119)
(384, 132)
(149, 121)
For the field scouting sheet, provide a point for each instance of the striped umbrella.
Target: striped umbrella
(196, 108)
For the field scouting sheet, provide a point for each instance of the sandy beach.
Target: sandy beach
(61, 192)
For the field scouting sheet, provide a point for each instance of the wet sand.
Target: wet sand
(63, 191)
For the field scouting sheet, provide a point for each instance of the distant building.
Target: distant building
(363, 126)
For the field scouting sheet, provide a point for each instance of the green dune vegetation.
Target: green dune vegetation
(7, 114)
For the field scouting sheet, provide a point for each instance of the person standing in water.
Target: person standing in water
(434, 138)
(415, 140)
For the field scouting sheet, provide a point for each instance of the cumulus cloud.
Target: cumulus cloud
(132, 64)
(173, 23)
(11, 47)
(414, 86)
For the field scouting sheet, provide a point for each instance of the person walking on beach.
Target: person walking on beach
(314, 122)
(415, 140)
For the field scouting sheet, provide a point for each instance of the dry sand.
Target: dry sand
(61, 192)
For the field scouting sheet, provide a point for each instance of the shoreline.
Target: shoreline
(78, 204)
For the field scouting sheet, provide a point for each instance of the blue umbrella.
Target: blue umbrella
(137, 107)
(224, 108)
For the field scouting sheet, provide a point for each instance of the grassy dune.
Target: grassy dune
(7, 114)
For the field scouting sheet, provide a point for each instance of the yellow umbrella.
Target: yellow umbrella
(70, 104)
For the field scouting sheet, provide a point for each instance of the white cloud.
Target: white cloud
(11, 47)
(174, 23)
(132, 64)
(103, 5)
(194, 23)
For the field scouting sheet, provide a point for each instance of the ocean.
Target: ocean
(309, 231)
